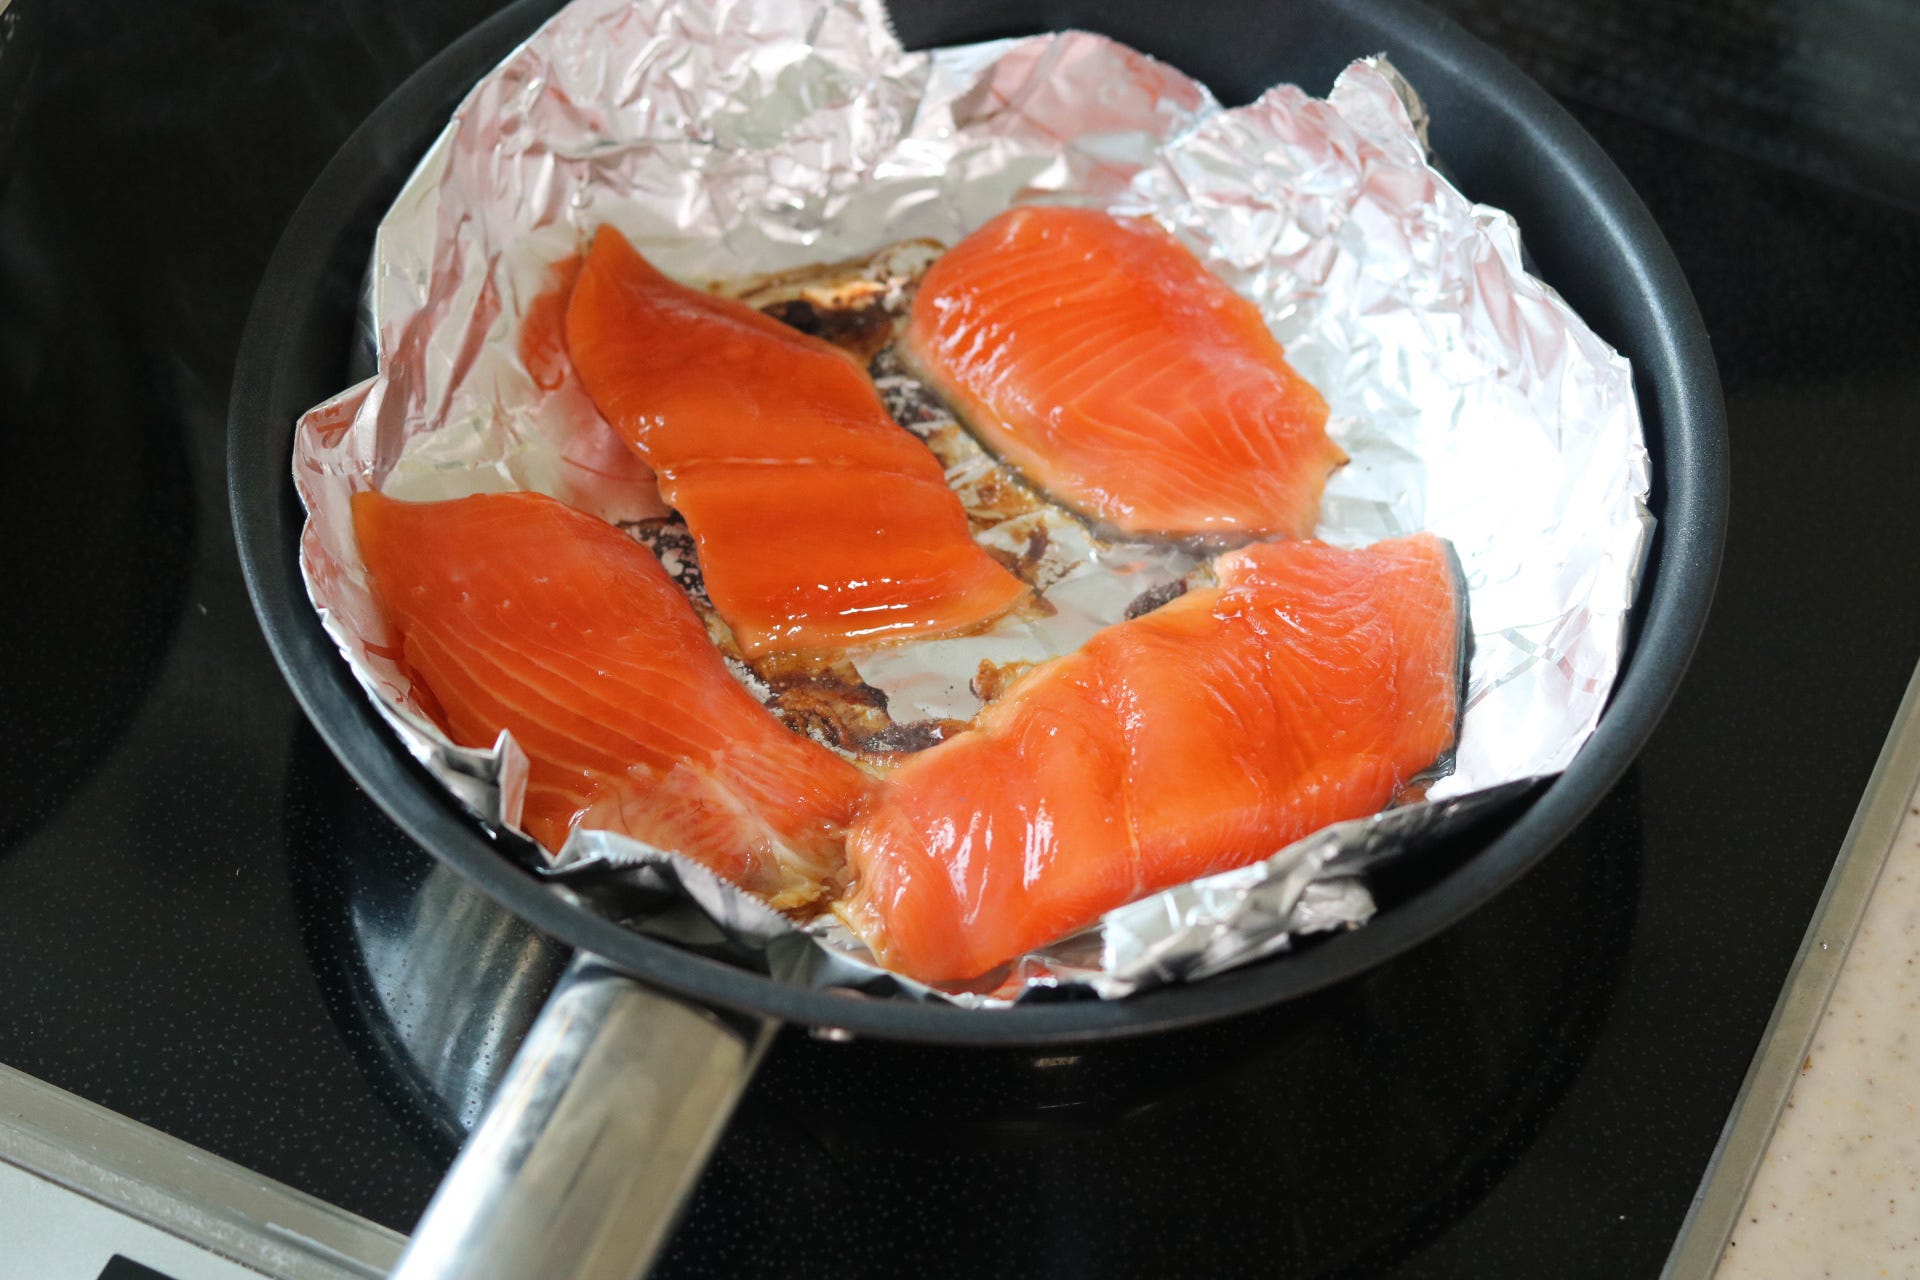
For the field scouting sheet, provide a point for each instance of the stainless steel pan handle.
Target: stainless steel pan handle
(593, 1141)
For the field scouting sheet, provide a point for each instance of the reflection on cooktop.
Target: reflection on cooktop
(109, 509)
(1356, 1125)
(431, 981)
(1821, 86)
(1344, 1132)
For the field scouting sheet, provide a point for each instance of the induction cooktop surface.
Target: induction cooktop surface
(205, 926)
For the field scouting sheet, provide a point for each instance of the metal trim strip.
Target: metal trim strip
(175, 1187)
(1796, 1015)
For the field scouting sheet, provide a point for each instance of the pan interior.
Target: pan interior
(1504, 141)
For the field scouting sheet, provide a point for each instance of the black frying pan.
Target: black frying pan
(1503, 141)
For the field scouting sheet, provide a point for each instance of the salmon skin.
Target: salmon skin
(1311, 686)
(517, 612)
(820, 524)
(1103, 361)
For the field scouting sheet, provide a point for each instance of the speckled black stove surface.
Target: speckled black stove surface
(201, 920)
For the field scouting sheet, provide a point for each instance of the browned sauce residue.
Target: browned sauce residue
(1148, 601)
(992, 679)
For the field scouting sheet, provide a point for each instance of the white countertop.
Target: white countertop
(1837, 1193)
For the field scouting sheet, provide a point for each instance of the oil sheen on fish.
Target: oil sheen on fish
(517, 612)
(1311, 686)
(819, 523)
(1110, 367)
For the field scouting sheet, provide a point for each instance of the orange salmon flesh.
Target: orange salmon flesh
(1111, 368)
(820, 524)
(519, 613)
(1311, 686)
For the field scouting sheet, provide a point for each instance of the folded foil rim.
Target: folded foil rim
(764, 136)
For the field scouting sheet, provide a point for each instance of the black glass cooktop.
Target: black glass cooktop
(204, 925)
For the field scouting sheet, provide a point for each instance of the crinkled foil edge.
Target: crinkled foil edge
(762, 136)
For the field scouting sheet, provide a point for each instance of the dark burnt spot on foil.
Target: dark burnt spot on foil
(672, 544)
(833, 705)
(1152, 598)
(855, 305)
(825, 699)
(889, 365)
(798, 313)
(909, 401)
(861, 326)
(914, 735)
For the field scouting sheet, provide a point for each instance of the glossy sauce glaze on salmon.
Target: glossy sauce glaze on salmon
(519, 613)
(820, 523)
(1311, 686)
(1102, 360)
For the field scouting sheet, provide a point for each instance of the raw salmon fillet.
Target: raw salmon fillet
(1101, 359)
(1312, 685)
(818, 521)
(519, 613)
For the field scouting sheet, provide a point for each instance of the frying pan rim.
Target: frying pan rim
(1677, 382)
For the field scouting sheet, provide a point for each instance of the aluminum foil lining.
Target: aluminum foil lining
(728, 141)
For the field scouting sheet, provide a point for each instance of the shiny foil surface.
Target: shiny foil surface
(733, 140)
